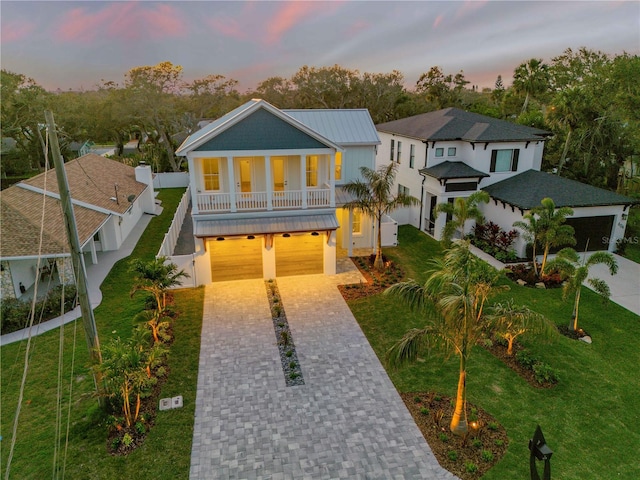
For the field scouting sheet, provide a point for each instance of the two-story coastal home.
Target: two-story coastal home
(265, 186)
(451, 153)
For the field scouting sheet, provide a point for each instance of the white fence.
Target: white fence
(171, 180)
(171, 237)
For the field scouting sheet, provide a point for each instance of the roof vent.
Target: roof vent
(113, 199)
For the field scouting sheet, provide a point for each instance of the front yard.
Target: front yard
(589, 418)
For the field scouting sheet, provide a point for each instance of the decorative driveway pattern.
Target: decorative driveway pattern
(347, 421)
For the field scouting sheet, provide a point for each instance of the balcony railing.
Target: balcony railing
(292, 199)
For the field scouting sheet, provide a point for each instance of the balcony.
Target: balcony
(255, 201)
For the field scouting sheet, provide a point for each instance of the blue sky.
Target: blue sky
(73, 45)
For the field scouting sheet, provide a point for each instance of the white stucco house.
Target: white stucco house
(108, 197)
(451, 153)
(266, 190)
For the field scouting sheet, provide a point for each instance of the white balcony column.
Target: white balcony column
(303, 179)
(232, 184)
(94, 255)
(329, 252)
(195, 168)
(269, 180)
(332, 180)
(268, 257)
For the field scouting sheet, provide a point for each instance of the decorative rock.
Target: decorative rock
(586, 339)
(521, 282)
(540, 285)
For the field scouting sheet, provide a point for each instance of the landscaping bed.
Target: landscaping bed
(468, 457)
(375, 281)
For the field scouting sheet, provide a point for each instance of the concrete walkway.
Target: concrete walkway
(347, 421)
(96, 273)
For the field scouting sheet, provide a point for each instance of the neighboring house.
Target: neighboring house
(108, 199)
(266, 194)
(452, 153)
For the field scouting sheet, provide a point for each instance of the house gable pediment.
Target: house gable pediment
(261, 130)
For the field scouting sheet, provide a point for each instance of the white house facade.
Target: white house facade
(265, 189)
(451, 153)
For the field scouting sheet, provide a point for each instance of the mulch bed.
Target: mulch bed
(467, 457)
(375, 282)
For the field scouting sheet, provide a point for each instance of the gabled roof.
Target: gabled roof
(94, 181)
(22, 212)
(342, 126)
(447, 170)
(235, 116)
(453, 124)
(527, 189)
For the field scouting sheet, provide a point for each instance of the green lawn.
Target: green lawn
(166, 452)
(632, 235)
(589, 419)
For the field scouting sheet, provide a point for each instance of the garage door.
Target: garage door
(597, 230)
(299, 255)
(235, 259)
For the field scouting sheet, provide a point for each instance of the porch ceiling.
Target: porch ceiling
(266, 225)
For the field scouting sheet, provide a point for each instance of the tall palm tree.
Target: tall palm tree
(373, 197)
(545, 225)
(531, 78)
(568, 262)
(461, 210)
(454, 300)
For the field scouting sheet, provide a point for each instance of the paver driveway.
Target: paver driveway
(347, 421)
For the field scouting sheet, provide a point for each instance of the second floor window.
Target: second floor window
(399, 151)
(312, 171)
(211, 174)
(505, 160)
(393, 143)
(402, 190)
(439, 152)
(451, 152)
(412, 155)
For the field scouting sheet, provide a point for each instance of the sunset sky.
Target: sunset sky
(75, 45)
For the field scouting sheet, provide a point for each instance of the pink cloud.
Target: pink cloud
(14, 31)
(358, 27)
(229, 27)
(128, 20)
(470, 6)
(438, 21)
(291, 13)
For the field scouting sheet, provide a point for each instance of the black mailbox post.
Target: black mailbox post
(539, 451)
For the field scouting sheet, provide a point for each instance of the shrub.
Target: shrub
(424, 411)
(471, 467)
(493, 426)
(453, 455)
(487, 455)
(444, 438)
(498, 442)
(477, 443)
(526, 359)
(545, 374)
(127, 440)
(495, 241)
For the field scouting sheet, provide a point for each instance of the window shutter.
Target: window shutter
(514, 162)
(494, 154)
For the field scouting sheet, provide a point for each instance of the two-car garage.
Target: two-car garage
(265, 248)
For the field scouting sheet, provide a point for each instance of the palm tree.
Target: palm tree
(461, 210)
(510, 321)
(156, 277)
(531, 78)
(373, 198)
(454, 299)
(568, 262)
(545, 225)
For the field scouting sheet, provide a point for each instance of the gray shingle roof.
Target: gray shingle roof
(455, 124)
(527, 189)
(344, 126)
(447, 169)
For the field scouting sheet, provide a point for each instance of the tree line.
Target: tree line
(589, 100)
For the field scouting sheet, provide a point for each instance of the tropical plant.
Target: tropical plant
(531, 78)
(123, 370)
(157, 322)
(509, 321)
(568, 261)
(156, 277)
(373, 198)
(545, 226)
(461, 210)
(454, 299)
